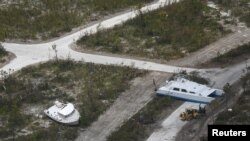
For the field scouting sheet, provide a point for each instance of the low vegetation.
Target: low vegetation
(167, 33)
(240, 113)
(239, 8)
(3, 53)
(42, 19)
(234, 56)
(54, 133)
(92, 88)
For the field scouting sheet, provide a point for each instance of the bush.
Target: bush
(3, 52)
(240, 110)
(167, 33)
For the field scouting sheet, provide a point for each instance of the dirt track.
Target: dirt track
(141, 91)
(116, 115)
(128, 103)
(197, 128)
(221, 46)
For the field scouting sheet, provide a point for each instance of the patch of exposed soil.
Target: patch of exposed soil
(214, 64)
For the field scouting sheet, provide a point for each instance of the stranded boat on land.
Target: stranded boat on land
(63, 113)
(189, 91)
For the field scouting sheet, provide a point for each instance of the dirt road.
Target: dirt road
(172, 124)
(28, 54)
(197, 128)
(140, 93)
(221, 46)
(128, 103)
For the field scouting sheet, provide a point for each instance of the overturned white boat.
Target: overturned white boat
(63, 113)
(189, 91)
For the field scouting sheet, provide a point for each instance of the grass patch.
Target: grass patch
(53, 133)
(92, 88)
(234, 56)
(166, 33)
(42, 19)
(239, 8)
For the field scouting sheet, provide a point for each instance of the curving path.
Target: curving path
(28, 54)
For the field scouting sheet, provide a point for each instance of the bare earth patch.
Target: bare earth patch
(127, 104)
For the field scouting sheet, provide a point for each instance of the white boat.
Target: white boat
(63, 113)
(187, 90)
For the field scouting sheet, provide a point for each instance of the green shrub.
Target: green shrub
(42, 19)
(3, 52)
(240, 110)
(166, 33)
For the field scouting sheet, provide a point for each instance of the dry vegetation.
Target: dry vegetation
(42, 19)
(167, 33)
(239, 8)
(234, 56)
(25, 94)
(240, 110)
(3, 53)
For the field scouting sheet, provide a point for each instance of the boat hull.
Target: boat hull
(191, 98)
(65, 121)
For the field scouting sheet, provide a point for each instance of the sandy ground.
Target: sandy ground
(129, 103)
(28, 54)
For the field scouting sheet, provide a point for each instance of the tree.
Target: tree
(227, 90)
(54, 48)
(141, 16)
(3, 52)
(214, 104)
